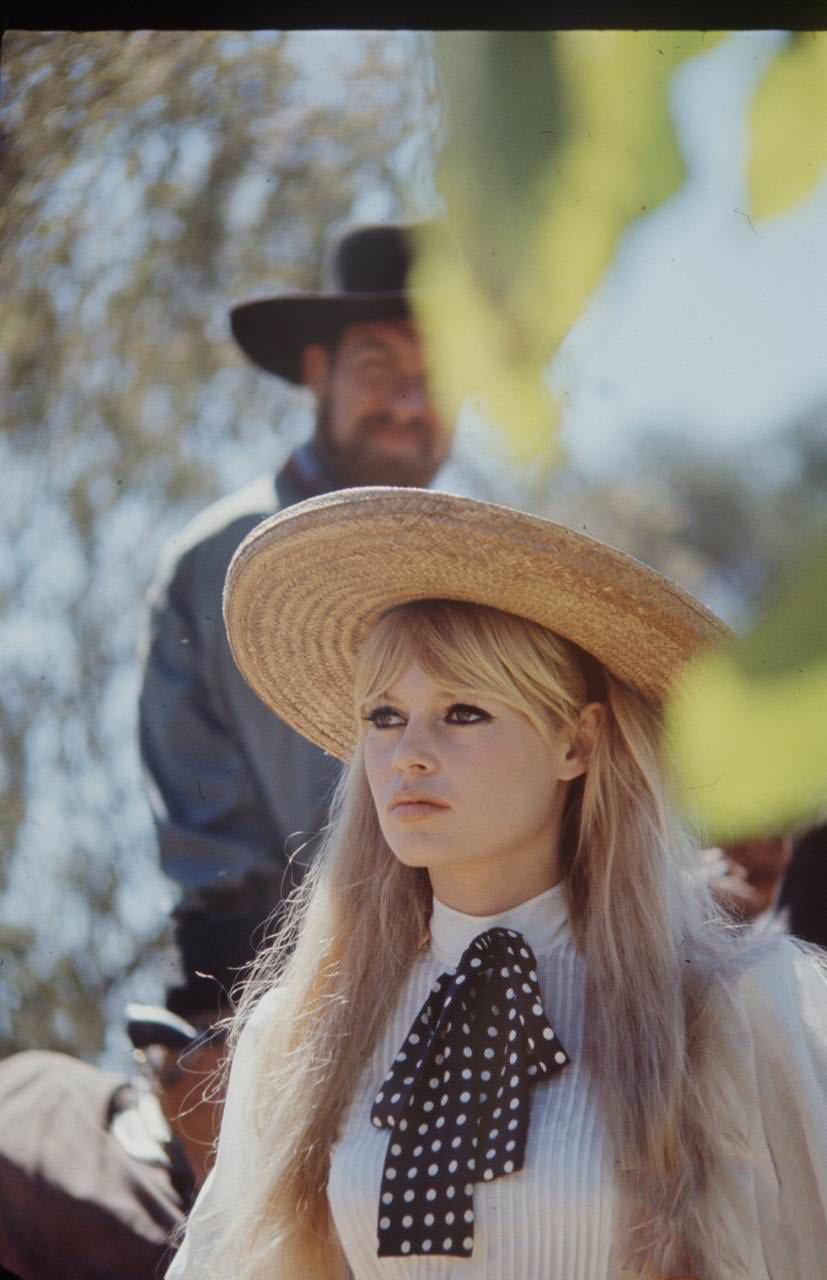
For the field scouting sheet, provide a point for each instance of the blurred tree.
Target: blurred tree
(559, 141)
(744, 530)
(723, 525)
(789, 152)
(747, 726)
(148, 180)
(746, 514)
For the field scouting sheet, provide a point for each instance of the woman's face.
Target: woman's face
(466, 786)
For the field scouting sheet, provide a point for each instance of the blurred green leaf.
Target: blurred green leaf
(793, 633)
(557, 141)
(746, 726)
(506, 119)
(789, 126)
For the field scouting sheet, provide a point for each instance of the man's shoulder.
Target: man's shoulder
(211, 536)
(222, 518)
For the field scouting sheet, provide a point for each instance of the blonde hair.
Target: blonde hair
(643, 925)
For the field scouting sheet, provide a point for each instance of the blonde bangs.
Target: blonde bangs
(476, 648)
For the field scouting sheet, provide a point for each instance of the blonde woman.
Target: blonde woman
(505, 1035)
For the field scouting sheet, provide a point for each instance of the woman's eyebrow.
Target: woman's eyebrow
(464, 693)
(381, 695)
(447, 693)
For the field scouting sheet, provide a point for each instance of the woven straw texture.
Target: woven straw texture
(306, 585)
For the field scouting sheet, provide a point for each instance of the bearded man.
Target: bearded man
(232, 788)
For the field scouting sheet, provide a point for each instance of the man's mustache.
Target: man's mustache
(375, 422)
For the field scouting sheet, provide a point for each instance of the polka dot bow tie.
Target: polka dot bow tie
(457, 1095)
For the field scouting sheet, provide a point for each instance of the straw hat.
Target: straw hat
(306, 585)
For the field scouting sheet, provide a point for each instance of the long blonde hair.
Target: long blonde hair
(643, 924)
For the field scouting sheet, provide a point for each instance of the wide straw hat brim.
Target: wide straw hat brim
(306, 586)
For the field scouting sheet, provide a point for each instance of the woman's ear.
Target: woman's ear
(582, 740)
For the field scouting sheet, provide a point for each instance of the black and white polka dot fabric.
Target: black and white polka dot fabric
(456, 1098)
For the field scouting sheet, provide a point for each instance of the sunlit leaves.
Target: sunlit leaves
(557, 141)
(789, 126)
(484, 351)
(747, 726)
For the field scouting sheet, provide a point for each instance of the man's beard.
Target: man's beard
(363, 462)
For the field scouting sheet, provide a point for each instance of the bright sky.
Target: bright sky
(708, 322)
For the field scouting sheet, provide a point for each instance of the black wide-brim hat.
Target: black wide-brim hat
(368, 277)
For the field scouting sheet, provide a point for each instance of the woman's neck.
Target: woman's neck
(477, 890)
(542, 920)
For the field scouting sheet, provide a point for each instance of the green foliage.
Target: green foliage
(790, 634)
(746, 726)
(745, 531)
(148, 180)
(789, 126)
(558, 140)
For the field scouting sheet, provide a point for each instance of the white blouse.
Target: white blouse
(555, 1219)
(517, 1232)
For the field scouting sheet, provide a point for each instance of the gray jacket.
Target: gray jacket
(230, 785)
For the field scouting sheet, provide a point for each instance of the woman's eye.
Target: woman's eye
(463, 713)
(384, 718)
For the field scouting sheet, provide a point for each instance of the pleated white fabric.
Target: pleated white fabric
(554, 1218)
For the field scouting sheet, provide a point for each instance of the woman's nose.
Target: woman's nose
(414, 752)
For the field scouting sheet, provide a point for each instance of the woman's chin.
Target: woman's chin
(421, 851)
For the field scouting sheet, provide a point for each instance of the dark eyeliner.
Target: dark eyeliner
(376, 715)
(479, 715)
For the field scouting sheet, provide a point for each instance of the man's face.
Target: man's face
(376, 421)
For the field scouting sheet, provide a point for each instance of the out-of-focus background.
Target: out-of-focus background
(150, 179)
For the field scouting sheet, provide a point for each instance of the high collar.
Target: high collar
(542, 921)
(303, 475)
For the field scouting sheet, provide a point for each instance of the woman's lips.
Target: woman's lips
(411, 808)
